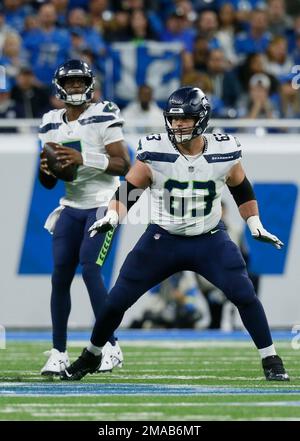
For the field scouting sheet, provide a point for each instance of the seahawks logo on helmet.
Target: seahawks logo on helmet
(74, 68)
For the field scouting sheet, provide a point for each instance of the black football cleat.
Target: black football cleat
(86, 363)
(274, 369)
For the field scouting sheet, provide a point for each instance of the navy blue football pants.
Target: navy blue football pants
(159, 254)
(73, 246)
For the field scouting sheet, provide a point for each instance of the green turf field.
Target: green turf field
(173, 381)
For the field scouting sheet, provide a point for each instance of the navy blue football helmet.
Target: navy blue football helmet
(74, 68)
(187, 102)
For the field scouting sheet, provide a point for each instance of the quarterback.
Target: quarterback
(90, 136)
(186, 171)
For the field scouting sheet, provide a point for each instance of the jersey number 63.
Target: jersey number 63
(180, 206)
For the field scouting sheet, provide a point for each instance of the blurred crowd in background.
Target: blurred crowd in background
(240, 52)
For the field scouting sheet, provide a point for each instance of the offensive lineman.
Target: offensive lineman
(89, 135)
(186, 172)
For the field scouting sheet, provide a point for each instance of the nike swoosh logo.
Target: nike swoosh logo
(67, 374)
(214, 231)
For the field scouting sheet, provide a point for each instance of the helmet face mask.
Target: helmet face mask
(74, 69)
(187, 103)
(181, 134)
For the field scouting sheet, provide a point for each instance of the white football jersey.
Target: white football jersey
(99, 125)
(186, 191)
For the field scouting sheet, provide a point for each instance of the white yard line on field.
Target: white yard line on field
(180, 344)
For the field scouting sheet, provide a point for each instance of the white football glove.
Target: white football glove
(259, 233)
(107, 223)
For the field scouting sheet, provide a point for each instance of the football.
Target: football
(67, 174)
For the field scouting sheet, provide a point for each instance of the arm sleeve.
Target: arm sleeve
(128, 194)
(243, 192)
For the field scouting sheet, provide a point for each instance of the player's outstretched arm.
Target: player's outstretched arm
(138, 179)
(244, 196)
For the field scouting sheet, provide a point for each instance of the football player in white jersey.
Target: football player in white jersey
(186, 172)
(89, 135)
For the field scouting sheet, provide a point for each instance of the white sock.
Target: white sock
(96, 350)
(267, 352)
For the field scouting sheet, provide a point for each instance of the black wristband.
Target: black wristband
(243, 192)
(128, 194)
